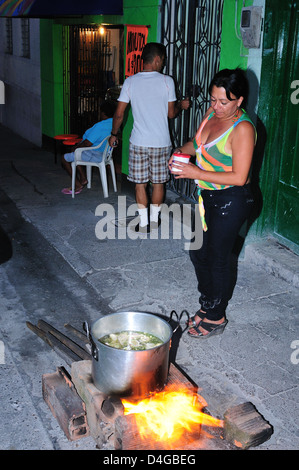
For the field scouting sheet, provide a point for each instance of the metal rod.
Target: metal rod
(55, 344)
(40, 333)
(76, 332)
(64, 339)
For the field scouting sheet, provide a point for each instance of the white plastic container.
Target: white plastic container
(179, 157)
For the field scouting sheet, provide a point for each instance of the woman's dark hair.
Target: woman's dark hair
(234, 82)
(151, 50)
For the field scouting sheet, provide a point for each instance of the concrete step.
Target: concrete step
(275, 258)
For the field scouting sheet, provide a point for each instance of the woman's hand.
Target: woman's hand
(170, 162)
(189, 170)
(178, 150)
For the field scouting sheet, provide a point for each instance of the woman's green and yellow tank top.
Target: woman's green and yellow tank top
(212, 157)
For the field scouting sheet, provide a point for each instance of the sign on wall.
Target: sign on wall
(136, 40)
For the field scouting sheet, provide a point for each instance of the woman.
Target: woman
(223, 146)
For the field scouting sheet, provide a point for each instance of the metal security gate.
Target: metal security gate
(86, 75)
(191, 31)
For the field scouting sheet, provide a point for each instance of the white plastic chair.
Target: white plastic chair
(106, 160)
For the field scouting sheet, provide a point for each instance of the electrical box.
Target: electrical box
(251, 26)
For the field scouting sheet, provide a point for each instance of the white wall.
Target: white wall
(21, 76)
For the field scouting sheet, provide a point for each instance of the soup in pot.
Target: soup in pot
(131, 340)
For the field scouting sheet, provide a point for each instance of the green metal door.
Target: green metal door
(286, 211)
(278, 113)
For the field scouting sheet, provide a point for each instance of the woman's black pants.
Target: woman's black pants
(225, 212)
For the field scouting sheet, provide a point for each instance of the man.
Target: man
(153, 100)
(91, 138)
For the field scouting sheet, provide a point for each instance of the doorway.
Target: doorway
(286, 224)
(93, 64)
(278, 110)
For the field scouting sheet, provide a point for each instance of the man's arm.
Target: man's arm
(117, 122)
(84, 143)
(175, 107)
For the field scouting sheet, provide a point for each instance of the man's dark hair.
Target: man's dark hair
(234, 82)
(108, 107)
(151, 50)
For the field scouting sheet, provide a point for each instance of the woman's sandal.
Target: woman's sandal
(213, 329)
(193, 323)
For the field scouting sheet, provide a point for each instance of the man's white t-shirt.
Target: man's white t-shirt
(149, 94)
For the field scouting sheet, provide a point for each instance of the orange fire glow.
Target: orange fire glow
(168, 416)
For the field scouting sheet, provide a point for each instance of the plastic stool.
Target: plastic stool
(71, 142)
(62, 137)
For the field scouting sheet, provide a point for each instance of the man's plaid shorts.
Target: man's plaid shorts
(148, 164)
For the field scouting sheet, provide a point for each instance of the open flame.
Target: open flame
(171, 416)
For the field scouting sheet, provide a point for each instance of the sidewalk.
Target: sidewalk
(252, 361)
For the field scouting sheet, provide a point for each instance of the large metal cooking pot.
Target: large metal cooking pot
(126, 372)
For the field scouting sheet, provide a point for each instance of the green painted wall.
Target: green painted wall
(233, 53)
(142, 12)
(51, 78)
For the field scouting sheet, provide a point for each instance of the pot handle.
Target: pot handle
(178, 320)
(178, 317)
(94, 351)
